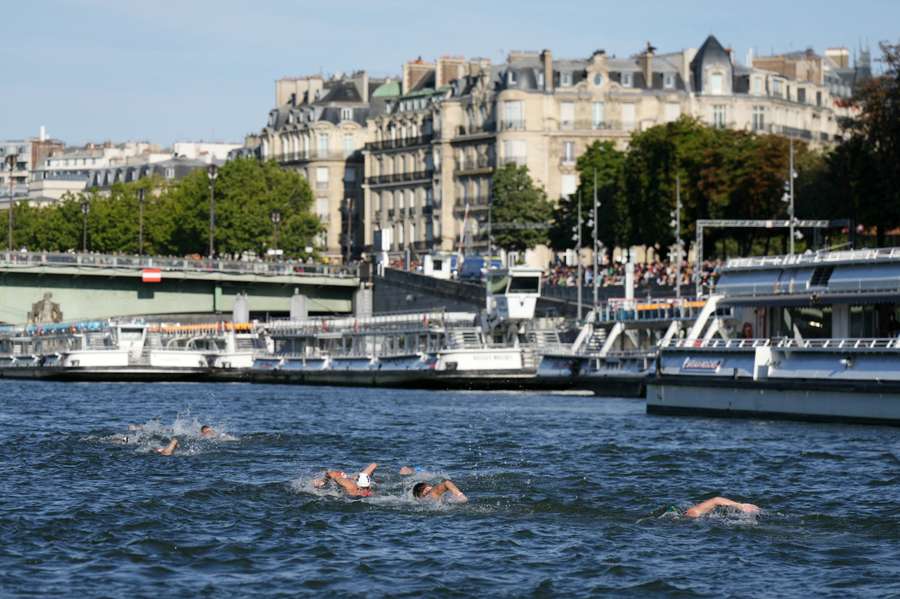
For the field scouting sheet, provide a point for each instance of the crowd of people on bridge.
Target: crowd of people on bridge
(657, 272)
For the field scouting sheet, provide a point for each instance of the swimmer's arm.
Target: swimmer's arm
(348, 485)
(703, 508)
(448, 486)
(370, 469)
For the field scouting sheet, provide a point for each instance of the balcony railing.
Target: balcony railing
(405, 142)
(399, 177)
(512, 124)
(307, 156)
(519, 160)
(474, 165)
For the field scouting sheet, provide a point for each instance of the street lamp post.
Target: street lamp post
(676, 224)
(212, 172)
(11, 160)
(85, 208)
(596, 246)
(275, 217)
(578, 256)
(141, 222)
(349, 212)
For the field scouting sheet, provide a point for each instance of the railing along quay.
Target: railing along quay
(201, 265)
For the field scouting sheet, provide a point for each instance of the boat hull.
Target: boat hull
(811, 400)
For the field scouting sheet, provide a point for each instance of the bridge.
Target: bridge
(91, 286)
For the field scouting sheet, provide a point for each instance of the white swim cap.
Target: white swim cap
(363, 481)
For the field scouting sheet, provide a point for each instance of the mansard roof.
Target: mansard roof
(711, 53)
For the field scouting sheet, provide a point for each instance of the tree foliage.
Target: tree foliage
(176, 215)
(520, 211)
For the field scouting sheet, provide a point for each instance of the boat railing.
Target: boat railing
(659, 310)
(414, 320)
(842, 344)
(869, 254)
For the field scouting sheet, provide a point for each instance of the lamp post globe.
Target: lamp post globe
(212, 171)
(85, 208)
(275, 217)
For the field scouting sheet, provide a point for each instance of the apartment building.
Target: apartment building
(29, 154)
(432, 140)
(319, 128)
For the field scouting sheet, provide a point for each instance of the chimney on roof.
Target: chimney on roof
(646, 62)
(547, 60)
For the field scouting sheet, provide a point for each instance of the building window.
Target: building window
(818, 98)
(514, 151)
(322, 208)
(322, 177)
(540, 80)
(715, 84)
(568, 152)
(598, 115)
(757, 86)
(346, 114)
(759, 118)
(400, 232)
(412, 232)
(511, 77)
(719, 116)
(568, 185)
(567, 115)
(628, 116)
(376, 201)
(627, 79)
(673, 111)
(323, 144)
(801, 95)
(348, 144)
(513, 117)
(598, 79)
(565, 79)
(668, 80)
(777, 87)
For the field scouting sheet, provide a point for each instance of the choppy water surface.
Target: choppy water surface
(567, 496)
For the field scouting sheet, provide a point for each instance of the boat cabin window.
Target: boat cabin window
(524, 285)
(811, 322)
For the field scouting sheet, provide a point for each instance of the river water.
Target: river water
(568, 496)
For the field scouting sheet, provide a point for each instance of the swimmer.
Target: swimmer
(360, 487)
(426, 491)
(704, 507)
(408, 470)
(168, 449)
(206, 431)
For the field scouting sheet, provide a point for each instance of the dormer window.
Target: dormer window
(511, 77)
(598, 79)
(715, 84)
(346, 114)
(565, 79)
(627, 79)
(540, 79)
(668, 80)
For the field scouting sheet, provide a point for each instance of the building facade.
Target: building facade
(432, 140)
(319, 129)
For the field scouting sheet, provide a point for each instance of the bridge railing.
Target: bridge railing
(31, 259)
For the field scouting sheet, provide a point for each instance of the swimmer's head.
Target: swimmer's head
(421, 489)
(207, 431)
(363, 481)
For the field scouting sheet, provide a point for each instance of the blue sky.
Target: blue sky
(167, 70)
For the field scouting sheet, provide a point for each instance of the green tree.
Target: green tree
(613, 224)
(871, 155)
(520, 211)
